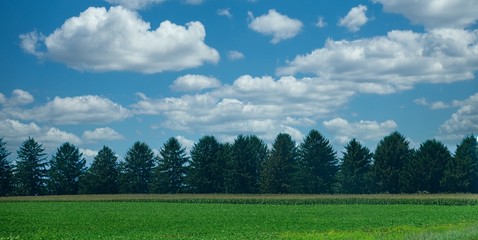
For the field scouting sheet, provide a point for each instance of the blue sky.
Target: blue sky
(114, 72)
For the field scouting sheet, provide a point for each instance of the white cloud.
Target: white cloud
(88, 153)
(19, 97)
(119, 40)
(433, 106)
(194, 2)
(30, 43)
(186, 143)
(225, 12)
(344, 131)
(73, 110)
(435, 13)
(463, 122)
(235, 55)
(320, 22)
(355, 19)
(16, 132)
(135, 4)
(194, 83)
(274, 24)
(394, 62)
(102, 134)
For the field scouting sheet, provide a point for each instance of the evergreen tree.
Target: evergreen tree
(278, 169)
(137, 169)
(425, 170)
(461, 174)
(317, 165)
(172, 168)
(66, 168)
(31, 168)
(392, 153)
(102, 176)
(355, 168)
(247, 155)
(206, 172)
(6, 171)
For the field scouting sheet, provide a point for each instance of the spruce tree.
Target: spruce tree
(206, 171)
(31, 168)
(102, 176)
(355, 168)
(66, 168)
(391, 155)
(317, 165)
(172, 168)
(279, 168)
(6, 171)
(136, 171)
(461, 174)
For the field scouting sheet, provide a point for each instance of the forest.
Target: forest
(246, 165)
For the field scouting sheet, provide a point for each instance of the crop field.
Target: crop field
(240, 217)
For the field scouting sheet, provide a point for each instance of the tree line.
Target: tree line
(245, 166)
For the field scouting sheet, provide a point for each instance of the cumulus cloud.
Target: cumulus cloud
(435, 13)
(186, 143)
(19, 97)
(394, 62)
(135, 4)
(235, 55)
(274, 24)
(16, 132)
(117, 39)
(73, 110)
(320, 22)
(225, 12)
(355, 19)
(344, 131)
(432, 105)
(194, 83)
(102, 134)
(463, 122)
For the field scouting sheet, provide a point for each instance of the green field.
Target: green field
(238, 217)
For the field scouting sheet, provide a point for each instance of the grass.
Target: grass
(172, 217)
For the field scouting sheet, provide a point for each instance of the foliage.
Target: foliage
(461, 173)
(317, 165)
(136, 171)
(6, 171)
(102, 176)
(390, 156)
(66, 168)
(171, 171)
(155, 220)
(31, 168)
(279, 168)
(206, 171)
(355, 168)
(247, 155)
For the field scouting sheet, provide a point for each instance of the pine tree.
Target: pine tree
(461, 173)
(390, 156)
(355, 168)
(6, 171)
(425, 170)
(317, 165)
(278, 169)
(136, 175)
(206, 172)
(247, 155)
(172, 168)
(31, 168)
(102, 176)
(66, 168)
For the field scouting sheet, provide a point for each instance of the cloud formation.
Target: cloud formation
(355, 19)
(72, 110)
(464, 121)
(117, 39)
(235, 55)
(394, 62)
(344, 131)
(135, 4)
(435, 13)
(19, 97)
(274, 24)
(190, 82)
(102, 134)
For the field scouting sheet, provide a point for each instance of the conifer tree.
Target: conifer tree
(136, 171)
(102, 176)
(31, 168)
(172, 168)
(6, 171)
(206, 172)
(355, 168)
(66, 168)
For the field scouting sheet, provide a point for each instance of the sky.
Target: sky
(112, 72)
